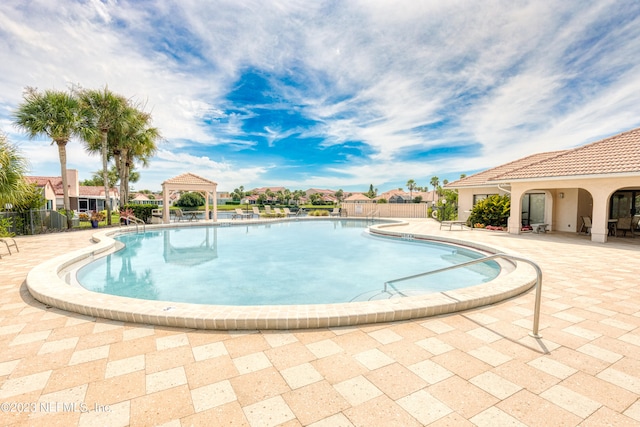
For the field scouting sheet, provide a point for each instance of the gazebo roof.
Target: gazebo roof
(189, 179)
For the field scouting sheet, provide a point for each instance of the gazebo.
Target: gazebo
(190, 182)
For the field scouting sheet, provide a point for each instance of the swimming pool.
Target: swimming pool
(52, 283)
(288, 262)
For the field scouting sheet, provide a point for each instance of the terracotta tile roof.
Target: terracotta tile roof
(56, 182)
(358, 197)
(189, 179)
(614, 155)
(40, 181)
(484, 178)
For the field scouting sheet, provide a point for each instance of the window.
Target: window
(480, 197)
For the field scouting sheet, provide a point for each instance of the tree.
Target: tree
(100, 111)
(411, 185)
(435, 181)
(132, 140)
(13, 167)
(371, 193)
(55, 114)
(339, 195)
(190, 200)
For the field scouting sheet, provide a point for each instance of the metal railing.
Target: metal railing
(136, 221)
(536, 313)
(373, 214)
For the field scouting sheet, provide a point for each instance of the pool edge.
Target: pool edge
(46, 286)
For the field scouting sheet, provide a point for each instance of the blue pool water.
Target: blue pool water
(289, 262)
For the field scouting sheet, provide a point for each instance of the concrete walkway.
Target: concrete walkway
(478, 367)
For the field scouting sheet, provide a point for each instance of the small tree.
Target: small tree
(190, 200)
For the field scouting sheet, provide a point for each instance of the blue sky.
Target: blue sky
(332, 94)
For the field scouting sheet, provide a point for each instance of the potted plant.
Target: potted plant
(96, 217)
(125, 214)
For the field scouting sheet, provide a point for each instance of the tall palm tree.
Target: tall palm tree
(55, 114)
(100, 110)
(411, 185)
(13, 167)
(131, 140)
(435, 181)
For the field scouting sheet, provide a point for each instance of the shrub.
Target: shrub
(494, 211)
(142, 212)
(319, 212)
(190, 200)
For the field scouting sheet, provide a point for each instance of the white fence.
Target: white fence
(386, 210)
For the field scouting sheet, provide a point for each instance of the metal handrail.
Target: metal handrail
(137, 221)
(374, 213)
(536, 313)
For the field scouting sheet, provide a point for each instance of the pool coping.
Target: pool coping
(45, 284)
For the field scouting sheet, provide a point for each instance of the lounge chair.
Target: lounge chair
(586, 224)
(335, 212)
(287, 212)
(267, 210)
(178, 215)
(278, 212)
(256, 211)
(240, 214)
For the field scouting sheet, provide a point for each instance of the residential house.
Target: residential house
(597, 182)
(82, 198)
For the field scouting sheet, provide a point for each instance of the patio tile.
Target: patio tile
(571, 401)
(434, 345)
(357, 390)
(380, 411)
(494, 417)
(209, 351)
(301, 375)
(349, 368)
(430, 371)
(324, 348)
(25, 384)
(268, 413)
(395, 380)
(552, 367)
(210, 371)
(495, 385)
(373, 359)
(462, 396)
(315, 402)
(599, 390)
(163, 380)
(125, 366)
(424, 407)
(461, 363)
(533, 410)
(251, 363)
(258, 386)
(117, 415)
(212, 395)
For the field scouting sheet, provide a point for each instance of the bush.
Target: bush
(319, 212)
(190, 200)
(493, 211)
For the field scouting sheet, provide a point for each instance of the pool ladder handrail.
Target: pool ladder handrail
(136, 221)
(536, 313)
(372, 214)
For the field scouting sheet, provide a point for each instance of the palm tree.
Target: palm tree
(55, 114)
(131, 140)
(411, 185)
(434, 182)
(13, 167)
(100, 110)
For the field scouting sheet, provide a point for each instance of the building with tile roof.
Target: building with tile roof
(83, 198)
(597, 183)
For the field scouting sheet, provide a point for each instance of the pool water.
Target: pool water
(289, 262)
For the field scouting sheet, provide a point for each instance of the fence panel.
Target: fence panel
(387, 210)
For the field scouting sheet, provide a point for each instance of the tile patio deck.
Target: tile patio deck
(477, 367)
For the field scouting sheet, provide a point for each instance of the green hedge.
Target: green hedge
(142, 212)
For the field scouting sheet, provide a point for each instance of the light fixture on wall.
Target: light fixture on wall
(561, 195)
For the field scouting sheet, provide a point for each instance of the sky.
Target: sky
(337, 94)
